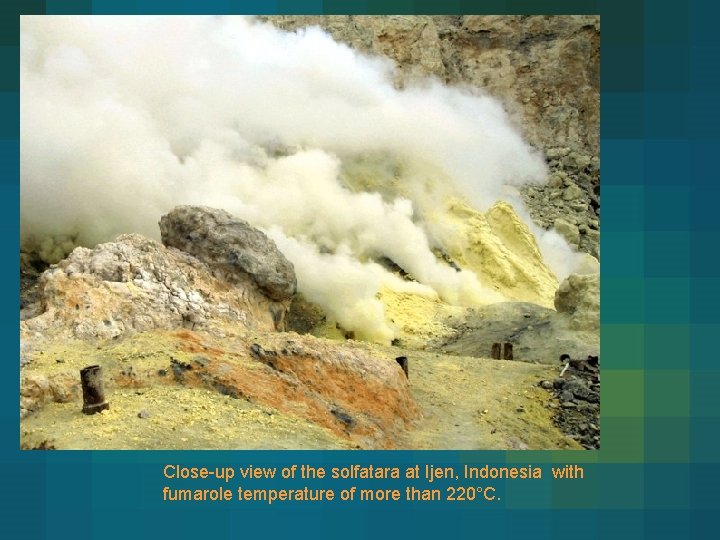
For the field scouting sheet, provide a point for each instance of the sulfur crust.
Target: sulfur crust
(502, 251)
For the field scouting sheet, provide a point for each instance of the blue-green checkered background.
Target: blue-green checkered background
(658, 471)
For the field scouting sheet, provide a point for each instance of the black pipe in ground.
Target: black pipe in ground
(93, 391)
(403, 362)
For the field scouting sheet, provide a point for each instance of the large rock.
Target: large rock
(579, 297)
(137, 284)
(231, 247)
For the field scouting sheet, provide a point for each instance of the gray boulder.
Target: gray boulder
(231, 247)
(579, 298)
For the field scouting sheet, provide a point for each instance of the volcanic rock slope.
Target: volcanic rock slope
(546, 72)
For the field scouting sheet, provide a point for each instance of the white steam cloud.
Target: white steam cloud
(123, 118)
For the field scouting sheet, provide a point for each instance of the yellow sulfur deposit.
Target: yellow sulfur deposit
(416, 318)
(501, 250)
(495, 245)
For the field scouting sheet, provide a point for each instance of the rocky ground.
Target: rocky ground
(185, 389)
(196, 390)
(479, 403)
(578, 389)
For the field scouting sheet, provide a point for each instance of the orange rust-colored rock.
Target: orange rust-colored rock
(354, 394)
(350, 392)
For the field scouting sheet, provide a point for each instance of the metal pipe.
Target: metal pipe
(403, 361)
(93, 391)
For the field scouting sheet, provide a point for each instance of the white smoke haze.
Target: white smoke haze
(349, 296)
(123, 118)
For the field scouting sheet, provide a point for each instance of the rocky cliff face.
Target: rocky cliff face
(545, 70)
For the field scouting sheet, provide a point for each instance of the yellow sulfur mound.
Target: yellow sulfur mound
(501, 250)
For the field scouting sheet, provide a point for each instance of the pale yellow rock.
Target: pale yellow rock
(499, 247)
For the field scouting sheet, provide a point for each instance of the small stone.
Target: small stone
(568, 405)
(582, 405)
(571, 193)
(547, 385)
(200, 360)
(343, 417)
(143, 414)
(556, 181)
(577, 388)
(593, 235)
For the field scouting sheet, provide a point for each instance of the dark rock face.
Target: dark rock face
(230, 247)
